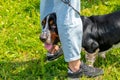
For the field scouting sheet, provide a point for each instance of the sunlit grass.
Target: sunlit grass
(22, 53)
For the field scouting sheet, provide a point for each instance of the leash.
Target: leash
(67, 2)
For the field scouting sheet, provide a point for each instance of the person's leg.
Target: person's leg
(46, 7)
(70, 32)
(71, 44)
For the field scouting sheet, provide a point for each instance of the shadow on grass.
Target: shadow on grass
(33, 70)
(54, 70)
(58, 69)
(29, 70)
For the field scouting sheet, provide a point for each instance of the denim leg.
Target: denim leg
(69, 28)
(46, 7)
(71, 41)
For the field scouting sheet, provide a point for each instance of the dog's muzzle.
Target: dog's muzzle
(45, 37)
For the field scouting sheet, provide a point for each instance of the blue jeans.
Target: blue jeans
(46, 7)
(69, 26)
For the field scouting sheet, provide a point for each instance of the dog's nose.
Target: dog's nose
(43, 38)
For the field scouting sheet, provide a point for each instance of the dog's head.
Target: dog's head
(49, 33)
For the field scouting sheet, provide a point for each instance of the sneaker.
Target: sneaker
(51, 57)
(85, 70)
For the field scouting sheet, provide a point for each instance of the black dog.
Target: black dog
(100, 33)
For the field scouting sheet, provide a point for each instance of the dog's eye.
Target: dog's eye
(43, 22)
(51, 22)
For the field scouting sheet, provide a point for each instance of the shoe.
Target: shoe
(51, 57)
(85, 70)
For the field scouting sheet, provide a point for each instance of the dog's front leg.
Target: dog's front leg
(91, 57)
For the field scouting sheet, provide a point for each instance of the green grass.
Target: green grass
(22, 53)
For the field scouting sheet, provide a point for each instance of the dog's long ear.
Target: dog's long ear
(54, 14)
(55, 17)
(54, 21)
(43, 22)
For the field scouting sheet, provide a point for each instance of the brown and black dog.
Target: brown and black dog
(49, 33)
(100, 33)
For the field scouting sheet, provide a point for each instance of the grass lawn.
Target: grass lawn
(22, 53)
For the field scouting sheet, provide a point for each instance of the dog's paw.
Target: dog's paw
(102, 54)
